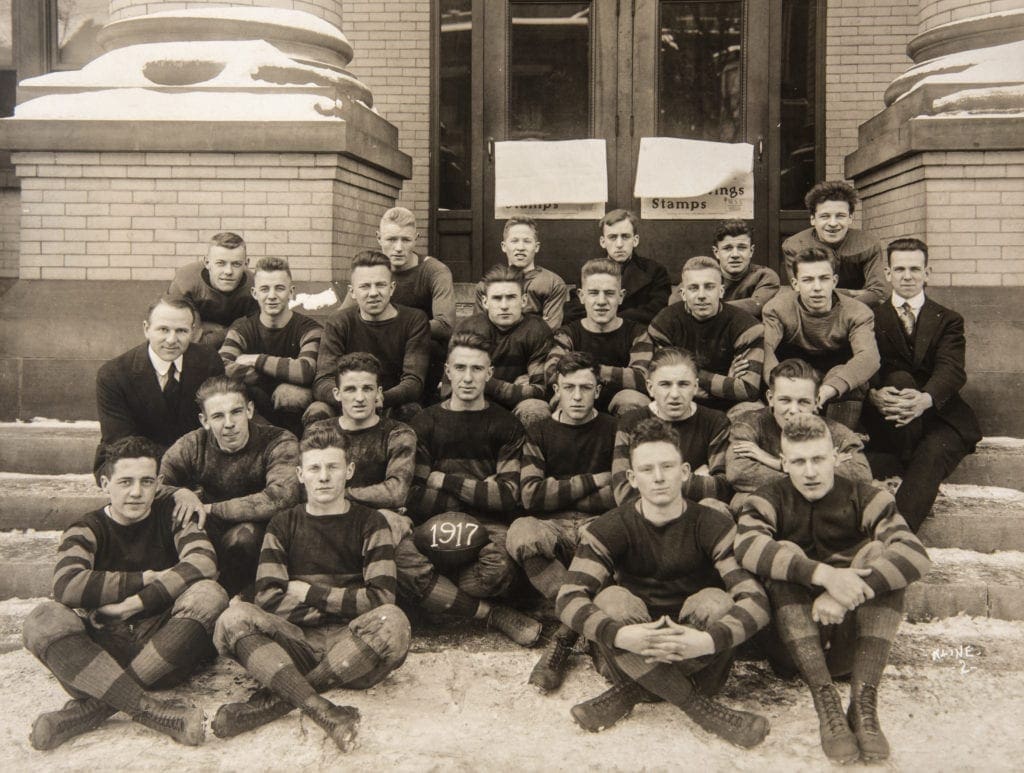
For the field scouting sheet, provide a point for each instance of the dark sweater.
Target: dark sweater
(192, 281)
(287, 355)
(611, 351)
(519, 350)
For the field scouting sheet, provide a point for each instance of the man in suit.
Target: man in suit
(150, 390)
(918, 422)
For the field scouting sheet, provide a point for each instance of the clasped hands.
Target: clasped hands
(845, 590)
(664, 641)
(900, 406)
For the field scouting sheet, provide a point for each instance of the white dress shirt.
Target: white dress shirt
(163, 366)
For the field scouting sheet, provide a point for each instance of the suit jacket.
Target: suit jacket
(935, 361)
(647, 287)
(129, 400)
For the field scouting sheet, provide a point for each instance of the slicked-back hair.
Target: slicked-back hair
(467, 340)
(906, 244)
(600, 266)
(370, 259)
(814, 255)
(727, 228)
(797, 369)
(520, 220)
(503, 273)
(830, 190)
(358, 362)
(574, 361)
(219, 385)
(671, 355)
(174, 303)
(131, 447)
(400, 216)
(320, 438)
(652, 430)
(804, 427)
(615, 217)
(269, 263)
(702, 263)
(227, 240)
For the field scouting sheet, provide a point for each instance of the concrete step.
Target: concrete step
(997, 461)
(961, 581)
(46, 501)
(48, 447)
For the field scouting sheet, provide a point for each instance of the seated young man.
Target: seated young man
(856, 254)
(703, 432)
(656, 587)
(468, 460)
(234, 474)
(755, 438)
(383, 453)
(566, 481)
(920, 426)
(399, 337)
(325, 613)
(836, 557)
(274, 352)
(219, 286)
(727, 343)
(604, 335)
(832, 332)
(144, 587)
(519, 344)
(645, 283)
(544, 292)
(746, 285)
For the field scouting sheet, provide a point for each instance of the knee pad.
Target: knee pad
(203, 602)
(490, 575)
(705, 607)
(621, 605)
(234, 623)
(527, 538)
(386, 631)
(47, 623)
(244, 538)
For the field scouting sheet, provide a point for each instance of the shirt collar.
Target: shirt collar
(162, 366)
(915, 303)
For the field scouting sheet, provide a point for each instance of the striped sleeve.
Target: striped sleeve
(715, 484)
(621, 488)
(510, 394)
(272, 590)
(498, 493)
(392, 492)
(235, 345)
(294, 370)
(590, 571)
(757, 549)
(904, 558)
(747, 474)
(197, 561)
(76, 584)
(409, 388)
(747, 346)
(548, 494)
(643, 351)
(561, 345)
(380, 581)
(750, 612)
(627, 377)
(424, 500)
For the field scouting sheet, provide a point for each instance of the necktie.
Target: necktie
(173, 387)
(907, 318)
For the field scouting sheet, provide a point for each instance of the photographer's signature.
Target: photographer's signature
(962, 655)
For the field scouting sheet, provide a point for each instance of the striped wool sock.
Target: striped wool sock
(175, 649)
(81, 664)
(443, 596)
(270, 664)
(546, 575)
(877, 622)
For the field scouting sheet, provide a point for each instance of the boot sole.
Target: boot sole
(599, 728)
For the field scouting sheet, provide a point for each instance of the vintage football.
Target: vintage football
(450, 539)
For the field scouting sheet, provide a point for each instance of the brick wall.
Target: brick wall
(391, 39)
(10, 219)
(141, 215)
(866, 48)
(329, 10)
(936, 12)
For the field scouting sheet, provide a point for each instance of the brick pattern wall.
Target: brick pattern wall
(866, 48)
(141, 215)
(936, 12)
(10, 220)
(329, 10)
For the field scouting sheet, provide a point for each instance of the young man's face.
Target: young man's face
(702, 292)
(907, 272)
(272, 291)
(226, 416)
(131, 487)
(371, 287)
(657, 471)
(815, 283)
(576, 393)
(521, 246)
(358, 392)
(324, 473)
(619, 240)
(734, 254)
(789, 397)
(503, 302)
(673, 388)
(168, 331)
(811, 465)
(225, 266)
(831, 221)
(601, 295)
(468, 370)
(397, 242)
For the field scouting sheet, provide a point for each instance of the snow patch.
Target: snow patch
(314, 301)
(971, 491)
(18, 607)
(979, 17)
(42, 421)
(998, 441)
(987, 67)
(1003, 559)
(69, 477)
(965, 627)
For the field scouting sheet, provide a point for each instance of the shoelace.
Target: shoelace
(558, 654)
(723, 713)
(833, 711)
(867, 706)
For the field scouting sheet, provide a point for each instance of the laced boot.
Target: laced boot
(608, 707)
(837, 741)
(78, 716)
(549, 673)
(341, 723)
(739, 727)
(520, 628)
(863, 716)
(182, 723)
(262, 708)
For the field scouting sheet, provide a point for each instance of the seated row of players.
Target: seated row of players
(329, 570)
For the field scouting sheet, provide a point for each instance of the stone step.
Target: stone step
(997, 461)
(48, 447)
(961, 581)
(46, 501)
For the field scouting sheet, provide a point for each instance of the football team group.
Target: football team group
(675, 475)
